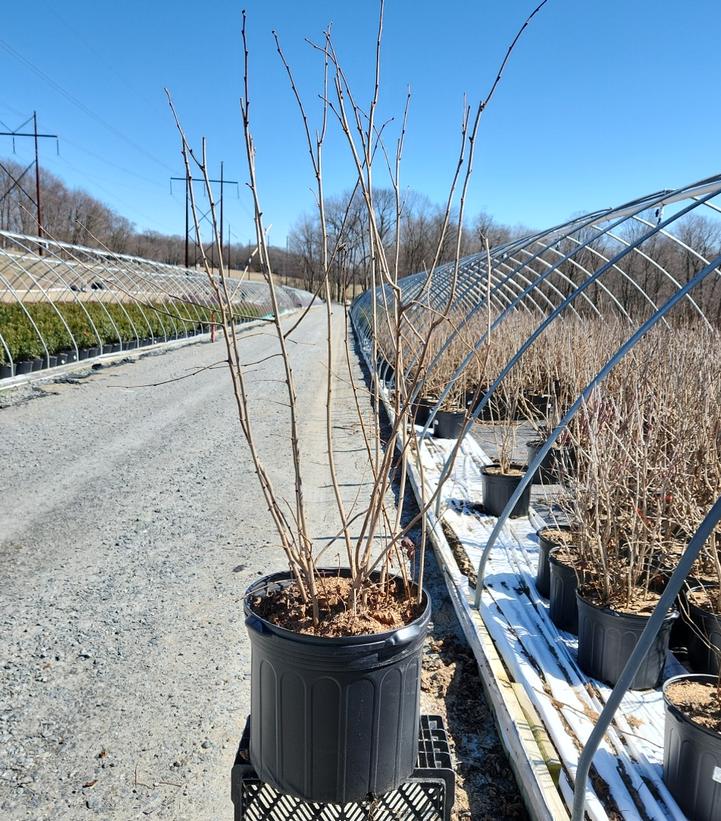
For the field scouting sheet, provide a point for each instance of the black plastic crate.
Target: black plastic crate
(428, 795)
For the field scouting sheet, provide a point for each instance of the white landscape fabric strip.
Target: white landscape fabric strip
(542, 659)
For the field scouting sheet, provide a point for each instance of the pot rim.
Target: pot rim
(672, 615)
(537, 443)
(517, 465)
(567, 528)
(552, 558)
(708, 613)
(308, 638)
(711, 679)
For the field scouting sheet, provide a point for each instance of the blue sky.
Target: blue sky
(603, 101)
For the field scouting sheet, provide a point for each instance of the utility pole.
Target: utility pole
(229, 246)
(206, 215)
(17, 182)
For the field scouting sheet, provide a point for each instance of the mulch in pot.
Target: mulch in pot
(383, 610)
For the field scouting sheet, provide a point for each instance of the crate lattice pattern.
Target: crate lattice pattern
(427, 796)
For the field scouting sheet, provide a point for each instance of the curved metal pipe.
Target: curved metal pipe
(571, 412)
(532, 338)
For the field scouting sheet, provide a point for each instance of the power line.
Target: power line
(79, 104)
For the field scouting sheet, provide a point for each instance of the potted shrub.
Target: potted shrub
(502, 477)
(622, 508)
(336, 653)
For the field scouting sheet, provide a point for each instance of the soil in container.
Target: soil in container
(499, 486)
(692, 745)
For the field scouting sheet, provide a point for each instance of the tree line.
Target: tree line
(647, 275)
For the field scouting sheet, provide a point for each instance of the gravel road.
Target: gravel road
(130, 525)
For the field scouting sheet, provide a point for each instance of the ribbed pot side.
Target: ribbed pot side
(334, 720)
(692, 760)
(606, 639)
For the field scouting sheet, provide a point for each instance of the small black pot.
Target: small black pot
(386, 372)
(62, 357)
(704, 645)
(498, 489)
(606, 639)
(539, 404)
(562, 594)
(116, 347)
(131, 344)
(94, 351)
(24, 366)
(449, 424)
(333, 719)
(545, 546)
(559, 461)
(107, 348)
(422, 409)
(52, 361)
(691, 759)
(83, 353)
(6, 371)
(73, 356)
(38, 363)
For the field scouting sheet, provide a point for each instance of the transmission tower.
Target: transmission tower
(18, 133)
(206, 215)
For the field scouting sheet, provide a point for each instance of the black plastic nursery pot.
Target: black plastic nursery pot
(6, 371)
(333, 720)
(539, 404)
(52, 361)
(93, 352)
(23, 367)
(421, 409)
(545, 546)
(83, 353)
(562, 593)
(606, 639)
(449, 424)
(498, 489)
(62, 357)
(38, 363)
(116, 347)
(107, 348)
(691, 758)
(704, 644)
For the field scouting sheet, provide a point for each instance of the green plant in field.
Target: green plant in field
(114, 322)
